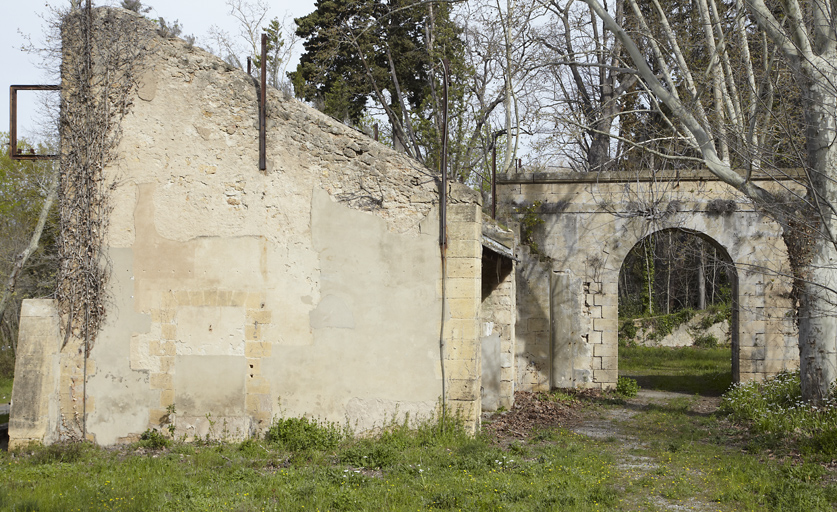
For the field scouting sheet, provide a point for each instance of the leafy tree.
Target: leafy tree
(275, 52)
(28, 227)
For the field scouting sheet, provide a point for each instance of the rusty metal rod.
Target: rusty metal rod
(443, 160)
(12, 121)
(494, 182)
(443, 235)
(263, 108)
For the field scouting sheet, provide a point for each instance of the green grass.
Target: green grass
(701, 457)
(5, 390)
(778, 418)
(402, 470)
(686, 458)
(682, 459)
(707, 371)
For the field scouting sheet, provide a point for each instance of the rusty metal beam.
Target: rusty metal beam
(14, 152)
(263, 108)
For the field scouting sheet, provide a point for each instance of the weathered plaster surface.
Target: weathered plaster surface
(34, 406)
(497, 336)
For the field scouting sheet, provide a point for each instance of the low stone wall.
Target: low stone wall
(34, 408)
(684, 335)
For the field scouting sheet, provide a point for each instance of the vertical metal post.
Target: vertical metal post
(88, 63)
(494, 181)
(375, 131)
(443, 160)
(443, 236)
(12, 122)
(263, 107)
(249, 66)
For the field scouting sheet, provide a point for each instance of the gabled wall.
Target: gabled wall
(236, 295)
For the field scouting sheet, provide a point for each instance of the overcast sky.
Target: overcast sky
(21, 17)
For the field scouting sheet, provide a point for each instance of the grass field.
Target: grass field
(664, 456)
(707, 371)
(402, 471)
(687, 461)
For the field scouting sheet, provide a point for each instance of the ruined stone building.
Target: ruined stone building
(312, 288)
(318, 287)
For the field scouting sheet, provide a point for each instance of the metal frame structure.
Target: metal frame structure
(13, 149)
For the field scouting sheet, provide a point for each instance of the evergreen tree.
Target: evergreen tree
(386, 51)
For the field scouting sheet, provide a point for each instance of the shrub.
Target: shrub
(298, 434)
(371, 453)
(153, 438)
(706, 340)
(7, 362)
(627, 387)
(58, 452)
(529, 221)
(716, 313)
(664, 325)
(776, 407)
(627, 334)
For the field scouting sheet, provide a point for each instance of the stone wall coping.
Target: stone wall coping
(567, 176)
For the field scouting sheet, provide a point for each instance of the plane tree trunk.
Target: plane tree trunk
(815, 255)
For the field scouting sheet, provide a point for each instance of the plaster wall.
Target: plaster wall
(237, 295)
(568, 292)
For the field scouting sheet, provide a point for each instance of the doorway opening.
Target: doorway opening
(678, 314)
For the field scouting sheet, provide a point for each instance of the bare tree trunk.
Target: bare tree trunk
(511, 144)
(714, 274)
(649, 278)
(818, 304)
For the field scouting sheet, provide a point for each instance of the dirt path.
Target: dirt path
(609, 424)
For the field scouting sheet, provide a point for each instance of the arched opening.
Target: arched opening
(678, 313)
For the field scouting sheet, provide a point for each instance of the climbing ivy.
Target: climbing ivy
(530, 219)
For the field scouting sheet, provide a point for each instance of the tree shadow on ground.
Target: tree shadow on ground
(714, 384)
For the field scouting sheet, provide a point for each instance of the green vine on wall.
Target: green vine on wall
(530, 219)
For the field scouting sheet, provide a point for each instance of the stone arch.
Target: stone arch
(567, 287)
(734, 327)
